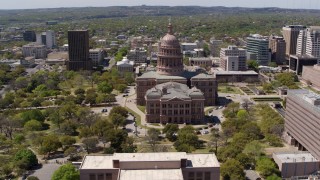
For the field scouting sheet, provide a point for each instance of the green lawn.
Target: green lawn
(228, 89)
(142, 108)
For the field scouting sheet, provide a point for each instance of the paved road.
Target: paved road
(46, 172)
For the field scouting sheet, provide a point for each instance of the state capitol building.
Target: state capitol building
(172, 94)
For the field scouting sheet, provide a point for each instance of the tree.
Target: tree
(50, 144)
(66, 172)
(242, 114)
(56, 118)
(252, 130)
(79, 91)
(267, 87)
(35, 114)
(214, 138)
(69, 127)
(171, 131)
(27, 156)
(67, 141)
(253, 64)
(187, 139)
(266, 166)
(253, 149)
(33, 125)
(104, 87)
(90, 143)
(232, 170)
(119, 110)
(245, 160)
(153, 138)
(117, 120)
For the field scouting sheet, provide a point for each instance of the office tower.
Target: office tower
(215, 47)
(50, 39)
(258, 47)
(79, 50)
(302, 121)
(290, 34)
(277, 47)
(29, 36)
(233, 59)
(309, 42)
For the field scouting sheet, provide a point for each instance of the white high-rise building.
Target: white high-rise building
(308, 42)
(47, 38)
(50, 39)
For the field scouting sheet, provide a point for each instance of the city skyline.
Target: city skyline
(33, 4)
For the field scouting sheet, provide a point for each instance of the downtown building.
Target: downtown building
(258, 49)
(302, 120)
(150, 166)
(29, 36)
(170, 68)
(34, 50)
(277, 47)
(47, 38)
(308, 50)
(78, 50)
(233, 59)
(290, 34)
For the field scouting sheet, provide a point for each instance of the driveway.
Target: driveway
(46, 172)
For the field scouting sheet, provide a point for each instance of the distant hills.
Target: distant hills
(65, 14)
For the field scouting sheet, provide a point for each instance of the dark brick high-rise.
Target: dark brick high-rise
(29, 36)
(79, 50)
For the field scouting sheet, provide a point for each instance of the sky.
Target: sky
(32, 4)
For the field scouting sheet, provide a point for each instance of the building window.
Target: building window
(108, 176)
(199, 175)
(100, 177)
(191, 175)
(92, 177)
(164, 105)
(207, 176)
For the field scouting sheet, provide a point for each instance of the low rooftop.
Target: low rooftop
(292, 157)
(106, 161)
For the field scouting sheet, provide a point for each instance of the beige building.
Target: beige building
(290, 34)
(34, 50)
(150, 166)
(138, 55)
(170, 69)
(233, 59)
(201, 62)
(302, 120)
(96, 56)
(312, 74)
(236, 76)
(173, 102)
(292, 164)
(125, 65)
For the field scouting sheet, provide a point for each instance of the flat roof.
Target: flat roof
(203, 160)
(157, 174)
(222, 72)
(106, 161)
(97, 162)
(292, 157)
(168, 156)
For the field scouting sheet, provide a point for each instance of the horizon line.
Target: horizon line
(66, 7)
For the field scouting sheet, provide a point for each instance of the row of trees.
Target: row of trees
(240, 143)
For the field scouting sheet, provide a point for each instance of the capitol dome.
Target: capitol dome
(169, 39)
(170, 59)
